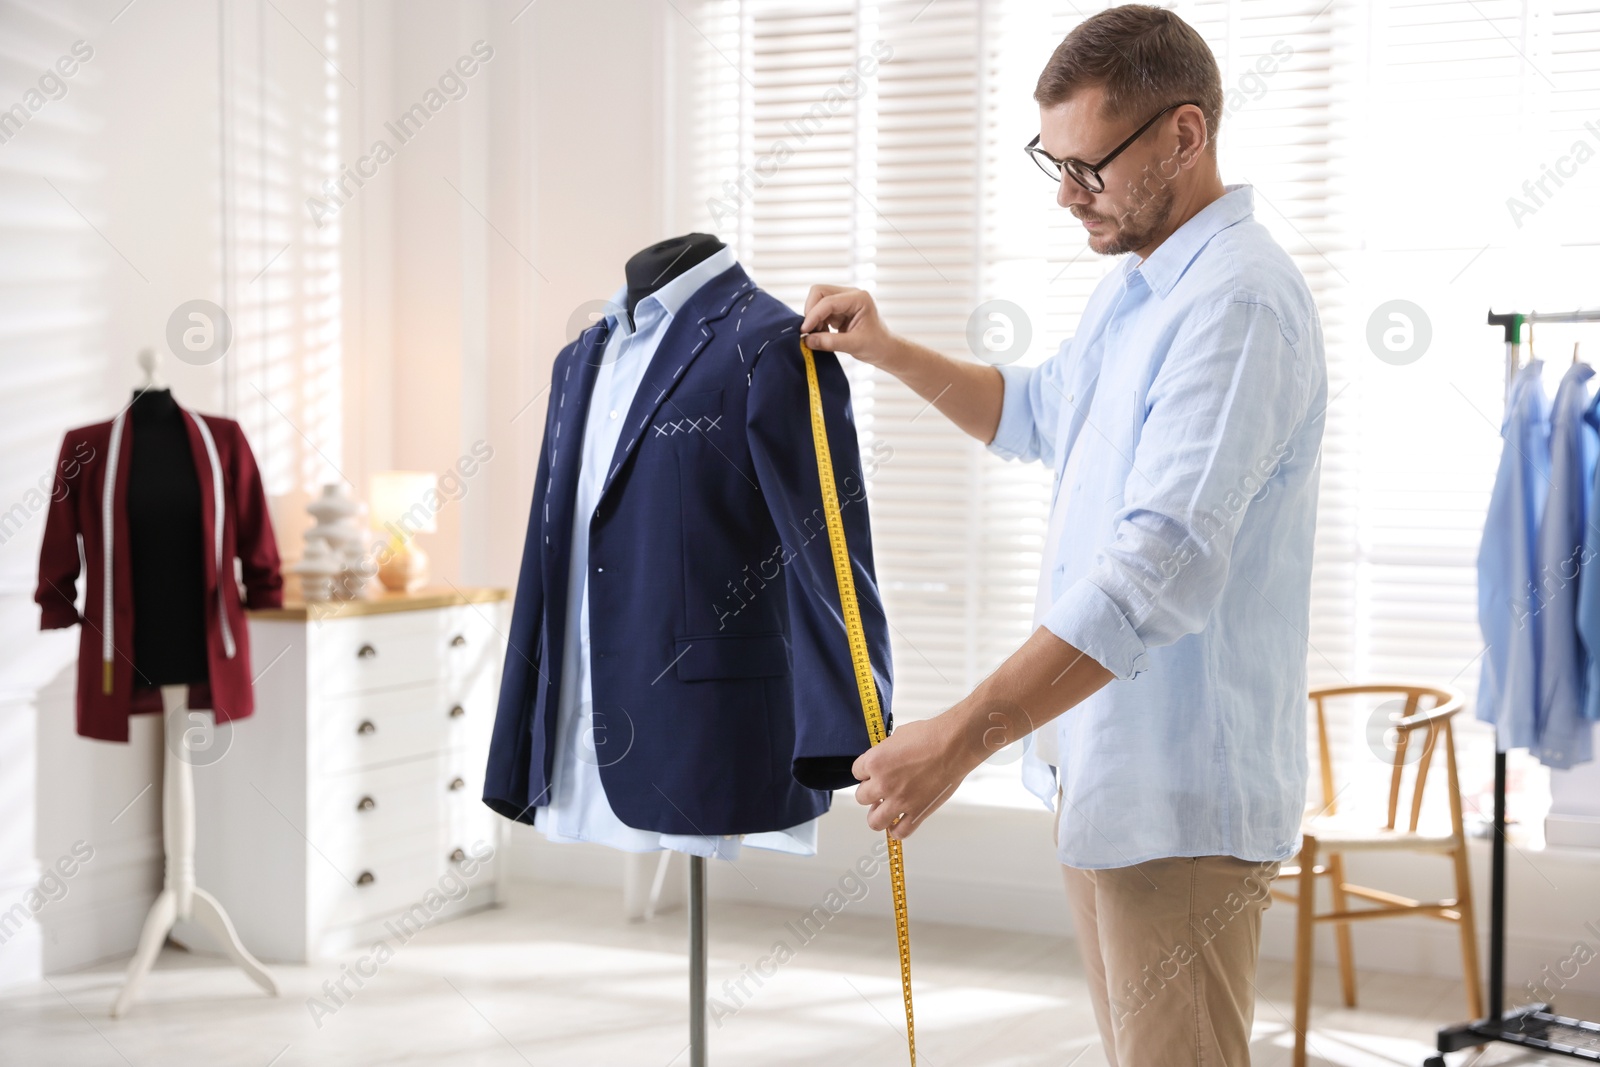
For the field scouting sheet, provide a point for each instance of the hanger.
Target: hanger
(1575, 353)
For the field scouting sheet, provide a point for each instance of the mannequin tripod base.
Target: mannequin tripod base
(180, 898)
(206, 911)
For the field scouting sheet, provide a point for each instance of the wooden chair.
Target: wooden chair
(1325, 839)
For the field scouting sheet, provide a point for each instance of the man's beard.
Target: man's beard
(1136, 226)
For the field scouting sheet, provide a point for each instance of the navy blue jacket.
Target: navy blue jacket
(721, 672)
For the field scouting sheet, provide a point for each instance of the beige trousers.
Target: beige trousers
(1169, 947)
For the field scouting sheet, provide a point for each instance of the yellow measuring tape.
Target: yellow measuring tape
(863, 667)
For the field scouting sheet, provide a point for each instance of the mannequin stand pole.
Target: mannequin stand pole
(697, 961)
(180, 898)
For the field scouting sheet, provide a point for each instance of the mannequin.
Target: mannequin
(667, 462)
(167, 545)
(167, 542)
(653, 267)
(647, 271)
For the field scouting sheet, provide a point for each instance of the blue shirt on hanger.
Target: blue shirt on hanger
(1508, 687)
(1589, 583)
(1559, 554)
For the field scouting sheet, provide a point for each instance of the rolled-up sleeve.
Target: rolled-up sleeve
(1029, 409)
(1221, 412)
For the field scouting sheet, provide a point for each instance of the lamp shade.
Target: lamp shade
(404, 502)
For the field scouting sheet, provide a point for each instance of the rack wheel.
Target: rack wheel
(1434, 1061)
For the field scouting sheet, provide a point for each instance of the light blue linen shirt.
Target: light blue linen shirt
(578, 808)
(1589, 583)
(1564, 733)
(1184, 421)
(1508, 684)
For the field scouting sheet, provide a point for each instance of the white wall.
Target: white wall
(124, 181)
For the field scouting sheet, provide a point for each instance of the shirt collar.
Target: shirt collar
(671, 297)
(1163, 267)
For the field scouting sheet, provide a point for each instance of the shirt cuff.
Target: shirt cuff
(1086, 618)
(1013, 437)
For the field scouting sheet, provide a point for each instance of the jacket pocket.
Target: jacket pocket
(712, 656)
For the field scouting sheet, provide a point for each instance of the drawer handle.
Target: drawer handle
(366, 804)
(366, 652)
(457, 641)
(457, 856)
(366, 878)
(366, 727)
(457, 711)
(457, 784)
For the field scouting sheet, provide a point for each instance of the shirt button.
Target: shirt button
(613, 414)
(1070, 397)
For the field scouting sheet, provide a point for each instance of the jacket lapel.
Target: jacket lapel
(573, 390)
(691, 329)
(115, 559)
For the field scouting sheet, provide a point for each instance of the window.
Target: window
(877, 144)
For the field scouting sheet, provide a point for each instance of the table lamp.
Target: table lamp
(404, 504)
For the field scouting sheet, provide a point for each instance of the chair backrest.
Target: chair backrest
(1423, 719)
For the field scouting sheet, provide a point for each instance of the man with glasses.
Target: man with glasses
(1162, 692)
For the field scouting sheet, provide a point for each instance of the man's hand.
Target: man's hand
(969, 393)
(852, 312)
(906, 778)
(914, 770)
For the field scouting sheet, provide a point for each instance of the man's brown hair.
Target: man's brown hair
(1143, 57)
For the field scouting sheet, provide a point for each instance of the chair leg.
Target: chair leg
(1341, 931)
(1470, 975)
(1304, 914)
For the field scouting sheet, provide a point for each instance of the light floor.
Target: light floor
(560, 978)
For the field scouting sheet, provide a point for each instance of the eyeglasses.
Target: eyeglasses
(1088, 174)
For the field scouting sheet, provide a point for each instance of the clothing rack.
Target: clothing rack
(1532, 1026)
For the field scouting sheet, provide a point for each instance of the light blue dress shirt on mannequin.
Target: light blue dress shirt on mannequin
(1508, 686)
(1184, 421)
(578, 809)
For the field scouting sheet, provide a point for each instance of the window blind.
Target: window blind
(286, 83)
(54, 266)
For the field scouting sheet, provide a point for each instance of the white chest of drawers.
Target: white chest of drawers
(348, 808)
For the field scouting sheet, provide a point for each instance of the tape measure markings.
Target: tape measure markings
(862, 663)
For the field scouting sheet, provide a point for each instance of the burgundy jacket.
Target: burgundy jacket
(92, 456)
